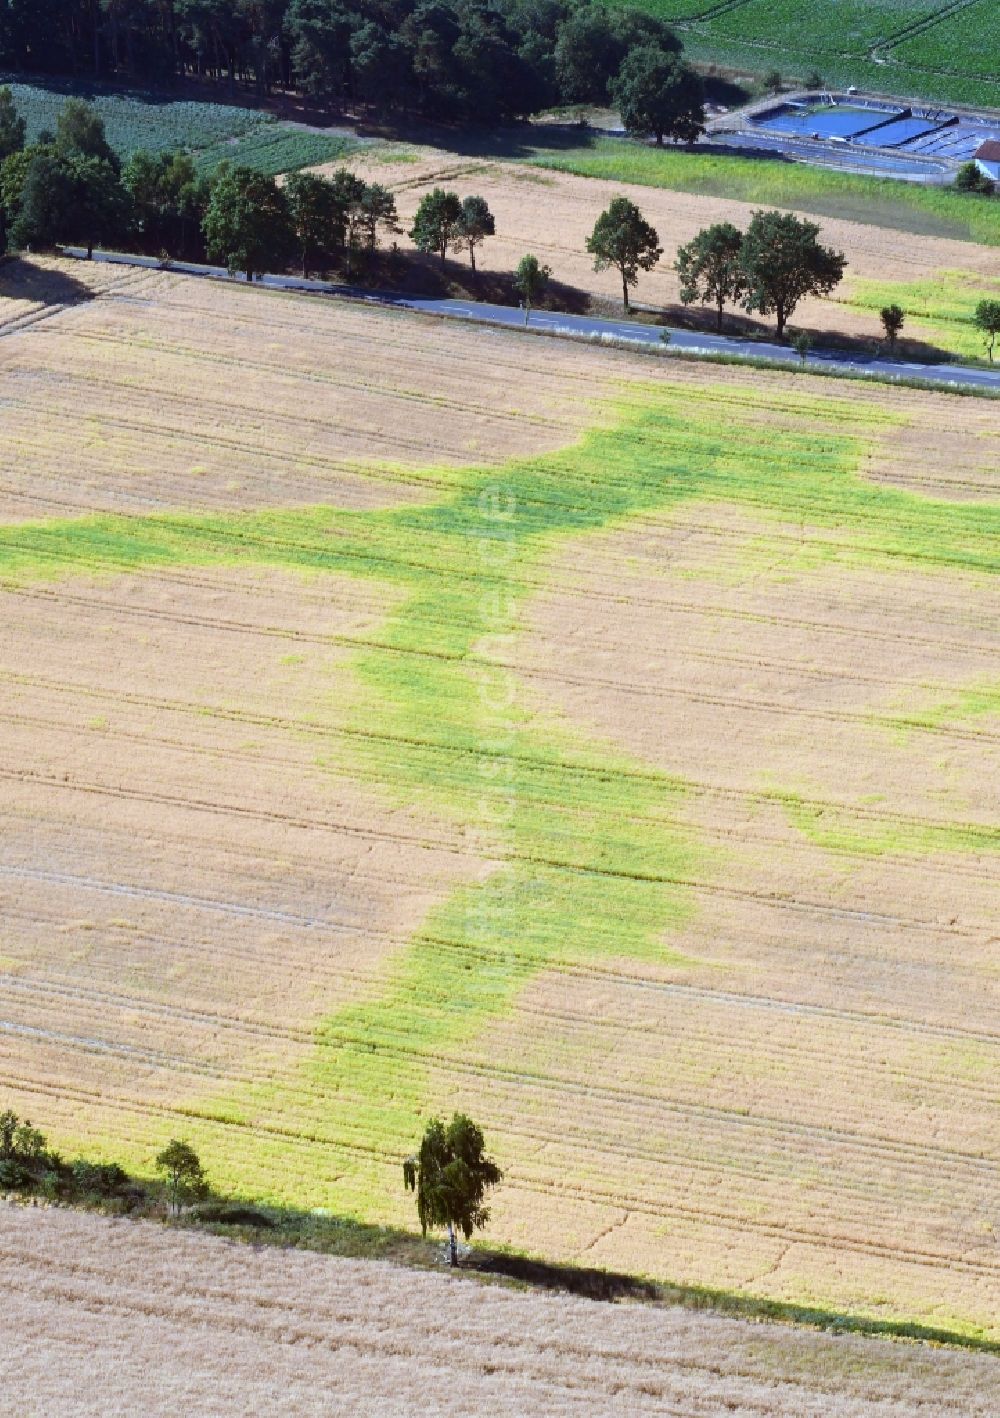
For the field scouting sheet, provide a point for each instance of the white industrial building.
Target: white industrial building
(987, 159)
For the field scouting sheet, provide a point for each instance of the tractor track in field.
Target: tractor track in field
(705, 1155)
(174, 898)
(523, 1357)
(526, 966)
(354, 640)
(288, 547)
(196, 579)
(65, 1000)
(917, 26)
(329, 379)
(405, 342)
(677, 791)
(41, 313)
(704, 1129)
(980, 839)
(327, 1038)
(336, 553)
(366, 981)
(192, 403)
(542, 861)
(234, 536)
(984, 489)
(423, 483)
(206, 443)
(590, 1194)
(199, 577)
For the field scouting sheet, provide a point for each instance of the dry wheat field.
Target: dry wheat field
(400, 716)
(127, 1317)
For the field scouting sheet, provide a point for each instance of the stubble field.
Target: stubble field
(122, 1317)
(609, 748)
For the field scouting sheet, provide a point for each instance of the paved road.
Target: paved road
(587, 327)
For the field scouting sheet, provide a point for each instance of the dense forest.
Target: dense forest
(467, 60)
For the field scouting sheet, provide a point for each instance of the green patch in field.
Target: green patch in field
(968, 1061)
(393, 156)
(781, 559)
(841, 829)
(136, 120)
(940, 310)
(277, 148)
(957, 707)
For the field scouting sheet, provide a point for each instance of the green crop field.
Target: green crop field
(939, 311)
(134, 121)
(828, 26)
(275, 148)
(212, 132)
(925, 211)
(968, 43)
(935, 49)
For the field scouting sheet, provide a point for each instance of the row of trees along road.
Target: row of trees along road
(253, 225)
(70, 187)
(768, 268)
(452, 60)
(444, 220)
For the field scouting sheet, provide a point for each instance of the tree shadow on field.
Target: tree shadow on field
(725, 89)
(701, 319)
(330, 1234)
(611, 1286)
(455, 279)
(516, 141)
(21, 279)
(415, 274)
(113, 1192)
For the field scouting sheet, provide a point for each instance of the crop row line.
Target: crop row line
(710, 1156)
(716, 1040)
(552, 589)
(519, 1356)
(697, 832)
(540, 764)
(589, 1194)
(538, 860)
(648, 1105)
(289, 378)
(524, 964)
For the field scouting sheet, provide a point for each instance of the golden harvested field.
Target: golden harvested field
(606, 746)
(170, 393)
(127, 1317)
(552, 214)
